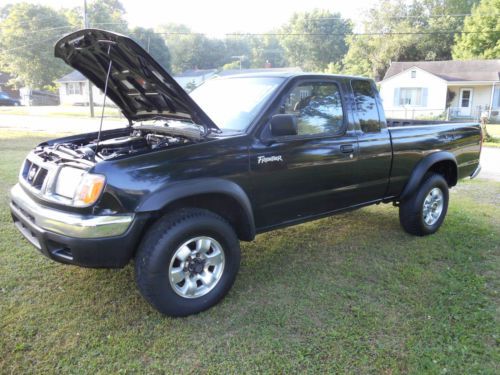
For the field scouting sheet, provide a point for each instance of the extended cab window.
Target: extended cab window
(366, 106)
(318, 107)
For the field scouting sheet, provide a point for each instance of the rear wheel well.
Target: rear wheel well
(447, 169)
(221, 204)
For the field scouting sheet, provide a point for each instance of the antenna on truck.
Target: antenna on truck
(104, 101)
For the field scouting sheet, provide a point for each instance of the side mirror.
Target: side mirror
(283, 124)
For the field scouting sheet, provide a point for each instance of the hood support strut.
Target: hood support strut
(105, 96)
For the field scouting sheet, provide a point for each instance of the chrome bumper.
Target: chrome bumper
(67, 224)
(476, 171)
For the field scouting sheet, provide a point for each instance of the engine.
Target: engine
(139, 139)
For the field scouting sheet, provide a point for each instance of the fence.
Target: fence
(451, 113)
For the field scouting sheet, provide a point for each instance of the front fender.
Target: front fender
(184, 189)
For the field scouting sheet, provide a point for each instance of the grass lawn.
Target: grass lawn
(60, 111)
(347, 294)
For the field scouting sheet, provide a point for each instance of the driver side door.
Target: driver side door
(310, 173)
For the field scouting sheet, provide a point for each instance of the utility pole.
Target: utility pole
(240, 58)
(89, 84)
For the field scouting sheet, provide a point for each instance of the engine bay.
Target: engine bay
(131, 141)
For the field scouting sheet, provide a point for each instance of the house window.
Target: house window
(413, 96)
(413, 74)
(465, 98)
(74, 88)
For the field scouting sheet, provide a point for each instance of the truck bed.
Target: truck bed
(414, 139)
(393, 122)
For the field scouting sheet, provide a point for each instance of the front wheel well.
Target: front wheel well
(447, 169)
(223, 205)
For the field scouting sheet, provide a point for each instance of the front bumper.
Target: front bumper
(85, 240)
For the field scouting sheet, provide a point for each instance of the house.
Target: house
(457, 89)
(193, 78)
(74, 90)
(30, 97)
(190, 79)
(7, 86)
(4, 81)
(230, 72)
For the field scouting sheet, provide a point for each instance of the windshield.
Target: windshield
(233, 103)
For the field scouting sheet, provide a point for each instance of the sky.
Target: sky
(216, 17)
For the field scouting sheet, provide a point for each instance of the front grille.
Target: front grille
(34, 174)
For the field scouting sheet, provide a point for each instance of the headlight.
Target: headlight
(89, 190)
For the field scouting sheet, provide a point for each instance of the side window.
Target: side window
(366, 106)
(318, 107)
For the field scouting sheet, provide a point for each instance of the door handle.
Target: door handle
(347, 149)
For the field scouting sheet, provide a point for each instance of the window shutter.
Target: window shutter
(396, 97)
(496, 97)
(424, 97)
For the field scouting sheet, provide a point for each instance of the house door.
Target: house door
(465, 102)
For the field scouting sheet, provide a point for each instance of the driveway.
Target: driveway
(490, 163)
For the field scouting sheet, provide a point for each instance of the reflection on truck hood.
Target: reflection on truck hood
(137, 84)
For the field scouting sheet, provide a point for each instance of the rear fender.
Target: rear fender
(422, 167)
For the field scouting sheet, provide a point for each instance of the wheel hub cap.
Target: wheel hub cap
(433, 206)
(196, 267)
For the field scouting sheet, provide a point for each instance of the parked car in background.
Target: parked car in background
(5, 99)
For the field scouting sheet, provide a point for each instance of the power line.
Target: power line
(32, 44)
(440, 32)
(408, 16)
(48, 29)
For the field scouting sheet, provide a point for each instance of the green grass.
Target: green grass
(347, 294)
(60, 111)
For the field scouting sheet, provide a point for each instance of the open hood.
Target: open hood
(137, 83)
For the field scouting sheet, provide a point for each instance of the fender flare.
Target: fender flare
(188, 188)
(422, 168)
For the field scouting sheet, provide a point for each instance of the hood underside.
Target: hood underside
(137, 84)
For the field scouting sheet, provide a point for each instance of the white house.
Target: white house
(74, 90)
(459, 89)
(190, 79)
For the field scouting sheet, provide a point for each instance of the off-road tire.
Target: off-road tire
(159, 246)
(411, 210)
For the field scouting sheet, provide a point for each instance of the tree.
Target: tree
(483, 42)
(315, 39)
(107, 14)
(422, 30)
(370, 55)
(191, 50)
(266, 50)
(154, 44)
(28, 33)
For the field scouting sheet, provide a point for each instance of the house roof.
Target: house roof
(74, 76)
(196, 72)
(231, 72)
(452, 70)
(4, 78)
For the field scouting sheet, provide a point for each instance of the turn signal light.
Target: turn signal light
(89, 190)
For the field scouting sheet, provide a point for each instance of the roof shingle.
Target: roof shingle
(452, 70)
(74, 76)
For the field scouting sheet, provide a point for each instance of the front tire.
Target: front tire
(424, 212)
(187, 262)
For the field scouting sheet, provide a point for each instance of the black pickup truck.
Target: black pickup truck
(190, 176)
